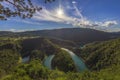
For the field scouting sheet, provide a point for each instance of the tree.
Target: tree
(37, 54)
(21, 8)
(66, 65)
(8, 59)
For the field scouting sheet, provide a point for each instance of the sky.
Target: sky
(95, 14)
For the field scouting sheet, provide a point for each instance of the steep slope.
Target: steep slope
(102, 55)
(44, 45)
(63, 43)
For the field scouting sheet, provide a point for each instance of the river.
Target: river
(79, 63)
(48, 61)
(25, 59)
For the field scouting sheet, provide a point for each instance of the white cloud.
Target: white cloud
(20, 30)
(30, 22)
(47, 15)
(74, 2)
(89, 23)
(109, 23)
(27, 21)
(79, 21)
(13, 30)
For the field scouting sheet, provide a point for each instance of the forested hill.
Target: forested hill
(42, 44)
(102, 58)
(82, 35)
(101, 55)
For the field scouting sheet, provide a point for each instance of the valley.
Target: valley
(37, 57)
(59, 39)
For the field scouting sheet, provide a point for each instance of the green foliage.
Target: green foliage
(56, 75)
(42, 44)
(8, 59)
(37, 54)
(2, 73)
(11, 45)
(63, 62)
(103, 59)
(15, 77)
(32, 71)
(36, 71)
(21, 8)
(63, 43)
(102, 55)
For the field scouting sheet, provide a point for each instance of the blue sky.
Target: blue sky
(95, 14)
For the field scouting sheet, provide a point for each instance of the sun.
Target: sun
(60, 12)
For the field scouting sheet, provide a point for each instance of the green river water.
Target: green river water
(79, 63)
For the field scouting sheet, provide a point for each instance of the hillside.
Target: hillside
(101, 55)
(102, 59)
(77, 35)
(42, 44)
(63, 43)
(63, 62)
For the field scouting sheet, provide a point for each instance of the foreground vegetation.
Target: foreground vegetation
(36, 71)
(102, 58)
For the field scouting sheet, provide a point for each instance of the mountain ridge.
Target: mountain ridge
(78, 35)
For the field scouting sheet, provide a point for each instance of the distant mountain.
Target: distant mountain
(5, 33)
(78, 35)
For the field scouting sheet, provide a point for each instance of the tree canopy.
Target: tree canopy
(21, 8)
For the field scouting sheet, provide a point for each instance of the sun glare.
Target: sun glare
(60, 12)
